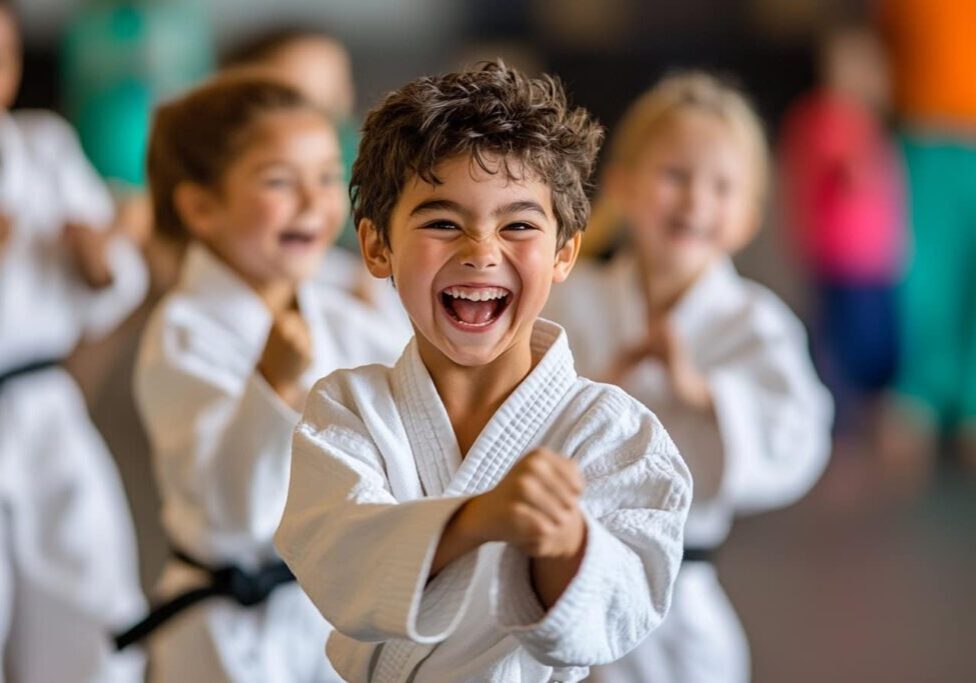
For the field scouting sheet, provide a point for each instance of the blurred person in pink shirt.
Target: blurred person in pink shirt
(843, 200)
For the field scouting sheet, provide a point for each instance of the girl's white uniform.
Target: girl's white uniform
(764, 447)
(68, 563)
(221, 441)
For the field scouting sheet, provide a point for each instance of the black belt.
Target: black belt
(28, 368)
(698, 554)
(230, 581)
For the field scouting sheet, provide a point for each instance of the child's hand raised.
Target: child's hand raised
(6, 229)
(287, 354)
(89, 247)
(663, 344)
(535, 507)
(688, 384)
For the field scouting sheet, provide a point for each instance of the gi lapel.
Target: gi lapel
(513, 430)
(517, 426)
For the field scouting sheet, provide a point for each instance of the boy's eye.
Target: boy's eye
(440, 225)
(519, 227)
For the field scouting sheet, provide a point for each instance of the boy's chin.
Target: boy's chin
(465, 353)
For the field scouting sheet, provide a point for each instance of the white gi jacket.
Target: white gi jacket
(376, 474)
(68, 562)
(345, 270)
(221, 440)
(766, 445)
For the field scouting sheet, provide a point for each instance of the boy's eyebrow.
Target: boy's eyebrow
(519, 207)
(438, 205)
(454, 207)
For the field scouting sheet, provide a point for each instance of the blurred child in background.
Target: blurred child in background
(843, 201)
(319, 67)
(67, 551)
(720, 359)
(252, 172)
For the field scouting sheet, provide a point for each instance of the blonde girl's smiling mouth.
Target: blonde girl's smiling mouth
(474, 307)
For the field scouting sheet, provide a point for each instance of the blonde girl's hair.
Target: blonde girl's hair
(689, 91)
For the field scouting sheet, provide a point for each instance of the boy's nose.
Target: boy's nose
(480, 252)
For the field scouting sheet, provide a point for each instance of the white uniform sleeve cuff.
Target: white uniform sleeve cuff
(518, 609)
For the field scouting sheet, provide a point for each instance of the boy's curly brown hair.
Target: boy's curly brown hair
(489, 112)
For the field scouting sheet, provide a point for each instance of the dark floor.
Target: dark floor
(850, 585)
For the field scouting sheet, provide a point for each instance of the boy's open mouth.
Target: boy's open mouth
(475, 306)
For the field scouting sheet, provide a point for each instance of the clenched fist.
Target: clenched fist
(663, 344)
(534, 508)
(287, 354)
(89, 247)
(6, 228)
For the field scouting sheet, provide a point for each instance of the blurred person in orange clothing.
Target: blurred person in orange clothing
(933, 50)
(843, 201)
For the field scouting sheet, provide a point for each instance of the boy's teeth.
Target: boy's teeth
(477, 294)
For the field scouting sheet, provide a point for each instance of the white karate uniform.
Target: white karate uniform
(345, 270)
(221, 441)
(765, 446)
(376, 474)
(68, 562)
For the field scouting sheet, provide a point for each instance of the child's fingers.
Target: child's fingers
(536, 493)
(562, 472)
(570, 475)
(532, 527)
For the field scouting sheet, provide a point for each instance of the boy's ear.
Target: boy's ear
(197, 207)
(566, 257)
(375, 252)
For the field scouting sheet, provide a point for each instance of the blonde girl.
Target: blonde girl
(720, 359)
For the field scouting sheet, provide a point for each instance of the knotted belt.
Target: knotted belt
(246, 588)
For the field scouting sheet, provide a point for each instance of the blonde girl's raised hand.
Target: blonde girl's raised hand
(689, 385)
(89, 249)
(287, 354)
(662, 343)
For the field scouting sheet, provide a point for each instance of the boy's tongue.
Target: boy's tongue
(474, 312)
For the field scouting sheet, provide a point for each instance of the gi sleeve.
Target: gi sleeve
(361, 556)
(220, 435)
(85, 199)
(773, 415)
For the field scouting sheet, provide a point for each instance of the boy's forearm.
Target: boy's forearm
(460, 536)
(552, 575)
